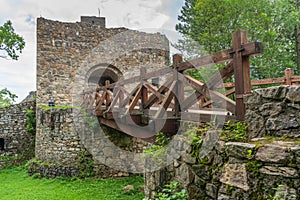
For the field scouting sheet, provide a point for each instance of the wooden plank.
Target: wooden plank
(166, 102)
(153, 98)
(115, 100)
(134, 101)
(210, 94)
(268, 81)
(221, 76)
(153, 90)
(130, 96)
(198, 117)
(249, 49)
(133, 130)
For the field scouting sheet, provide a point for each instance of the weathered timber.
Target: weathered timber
(248, 49)
(241, 64)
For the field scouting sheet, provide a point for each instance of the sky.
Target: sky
(146, 15)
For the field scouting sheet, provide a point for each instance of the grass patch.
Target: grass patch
(16, 184)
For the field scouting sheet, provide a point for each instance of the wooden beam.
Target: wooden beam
(268, 81)
(130, 96)
(248, 49)
(179, 87)
(210, 94)
(134, 101)
(241, 65)
(221, 76)
(288, 76)
(153, 98)
(166, 102)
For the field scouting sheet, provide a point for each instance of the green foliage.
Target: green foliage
(229, 189)
(47, 108)
(86, 164)
(30, 121)
(171, 192)
(250, 154)
(10, 42)
(253, 166)
(210, 23)
(278, 196)
(6, 98)
(162, 139)
(18, 185)
(234, 132)
(160, 142)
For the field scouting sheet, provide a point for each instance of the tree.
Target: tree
(6, 98)
(10, 42)
(211, 23)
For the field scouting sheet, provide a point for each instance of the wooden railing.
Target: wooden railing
(148, 104)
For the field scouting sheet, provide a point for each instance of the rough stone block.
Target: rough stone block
(202, 171)
(277, 93)
(184, 174)
(239, 149)
(280, 171)
(272, 153)
(211, 190)
(277, 124)
(293, 94)
(235, 175)
(195, 192)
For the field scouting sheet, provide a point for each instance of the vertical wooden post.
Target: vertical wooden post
(144, 98)
(241, 72)
(107, 97)
(179, 93)
(144, 94)
(288, 76)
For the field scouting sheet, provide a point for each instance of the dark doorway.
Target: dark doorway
(100, 74)
(1, 144)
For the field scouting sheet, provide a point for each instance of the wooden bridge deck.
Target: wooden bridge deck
(147, 109)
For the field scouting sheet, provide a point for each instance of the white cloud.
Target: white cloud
(19, 76)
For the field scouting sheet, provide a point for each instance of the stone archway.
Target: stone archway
(98, 74)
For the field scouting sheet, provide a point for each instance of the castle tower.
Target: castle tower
(85, 53)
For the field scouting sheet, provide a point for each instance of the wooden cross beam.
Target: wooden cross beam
(246, 49)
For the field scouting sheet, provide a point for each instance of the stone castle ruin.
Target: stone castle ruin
(75, 57)
(72, 57)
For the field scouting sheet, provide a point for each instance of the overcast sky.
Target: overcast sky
(20, 76)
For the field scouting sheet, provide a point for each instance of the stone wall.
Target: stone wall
(274, 111)
(13, 130)
(72, 57)
(265, 167)
(64, 152)
(235, 170)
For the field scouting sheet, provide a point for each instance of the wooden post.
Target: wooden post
(241, 66)
(107, 97)
(288, 76)
(179, 93)
(144, 97)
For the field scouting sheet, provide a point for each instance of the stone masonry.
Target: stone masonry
(265, 167)
(73, 57)
(16, 139)
(274, 111)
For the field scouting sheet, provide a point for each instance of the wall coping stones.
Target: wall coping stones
(239, 149)
(280, 171)
(273, 153)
